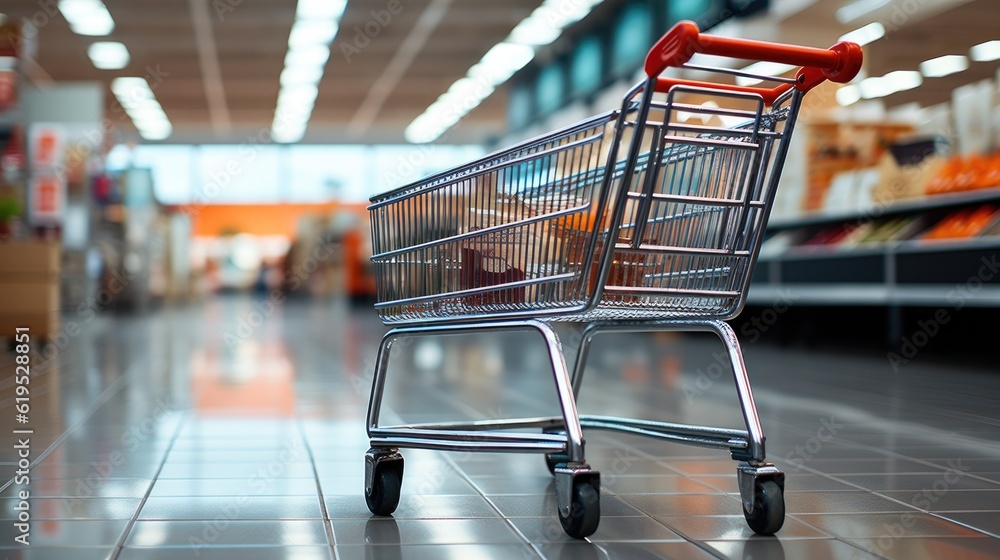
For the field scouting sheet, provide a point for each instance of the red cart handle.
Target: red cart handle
(840, 63)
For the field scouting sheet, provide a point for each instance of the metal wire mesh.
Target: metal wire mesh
(523, 231)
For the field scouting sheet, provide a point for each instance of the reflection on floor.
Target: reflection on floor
(234, 430)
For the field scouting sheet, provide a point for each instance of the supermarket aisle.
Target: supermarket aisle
(234, 430)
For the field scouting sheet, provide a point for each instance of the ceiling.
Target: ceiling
(250, 43)
(229, 95)
(916, 30)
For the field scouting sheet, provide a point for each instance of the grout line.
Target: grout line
(142, 503)
(327, 522)
(111, 390)
(465, 476)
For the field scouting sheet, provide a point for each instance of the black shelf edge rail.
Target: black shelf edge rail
(930, 202)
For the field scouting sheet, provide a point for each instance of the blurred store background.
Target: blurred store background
(159, 153)
(183, 229)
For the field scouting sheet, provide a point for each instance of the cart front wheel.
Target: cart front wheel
(585, 511)
(382, 496)
(769, 509)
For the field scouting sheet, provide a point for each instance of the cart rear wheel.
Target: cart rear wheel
(769, 509)
(387, 481)
(585, 511)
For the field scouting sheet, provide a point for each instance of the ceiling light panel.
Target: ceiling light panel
(541, 27)
(985, 52)
(87, 17)
(315, 26)
(140, 104)
(944, 65)
(858, 9)
(108, 55)
(865, 35)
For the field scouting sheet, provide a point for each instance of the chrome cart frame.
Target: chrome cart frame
(635, 220)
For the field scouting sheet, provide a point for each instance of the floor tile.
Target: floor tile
(927, 548)
(671, 550)
(793, 483)
(95, 487)
(872, 525)
(654, 484)
(941, 499)
(683, 504)
(70, 532)
(180, 487)
(734, 527)
(756, 548)
(841, 502)
(225, 532)
(988, 522)
(249, 471)
(73, 508)
(229, 553)
(918, 482)
(33, 552)
(414, 507)
(436, 552)
(545, 505)
(423, 531)
(239, 507)
(611, 529)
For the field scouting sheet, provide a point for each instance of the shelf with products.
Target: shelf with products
(917, 255)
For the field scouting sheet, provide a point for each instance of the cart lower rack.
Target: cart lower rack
(647, 218)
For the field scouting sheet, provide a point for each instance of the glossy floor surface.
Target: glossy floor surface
(234, 429)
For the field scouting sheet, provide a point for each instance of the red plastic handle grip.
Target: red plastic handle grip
(840, 63)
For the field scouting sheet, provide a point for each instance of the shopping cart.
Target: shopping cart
(648, 218)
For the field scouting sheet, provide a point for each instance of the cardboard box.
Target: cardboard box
(29, 288)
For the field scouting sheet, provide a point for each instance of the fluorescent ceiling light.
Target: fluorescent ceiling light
(155, 130)
(848, 95)
(87, 17)
(315, 55)
(108, 55)
(858, 8)
(294, 75)
(501, 62)
(944, 65)
(535, 31)
(985, 52)
(763, 69)
(893, 82)
(865, 35)
(285, 134)
(306, 33)
(541, 27)
(137, 98)
(300, 93)
(320, 9)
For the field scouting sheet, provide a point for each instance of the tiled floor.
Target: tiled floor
(229, 430)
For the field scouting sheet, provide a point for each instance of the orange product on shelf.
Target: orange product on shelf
(966, 173)
(965, 223)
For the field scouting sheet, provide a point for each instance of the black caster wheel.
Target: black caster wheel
(553, 460)
(769, 508)
(584, 512)
(383, 481)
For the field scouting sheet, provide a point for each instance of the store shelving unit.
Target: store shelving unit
(950, 274)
